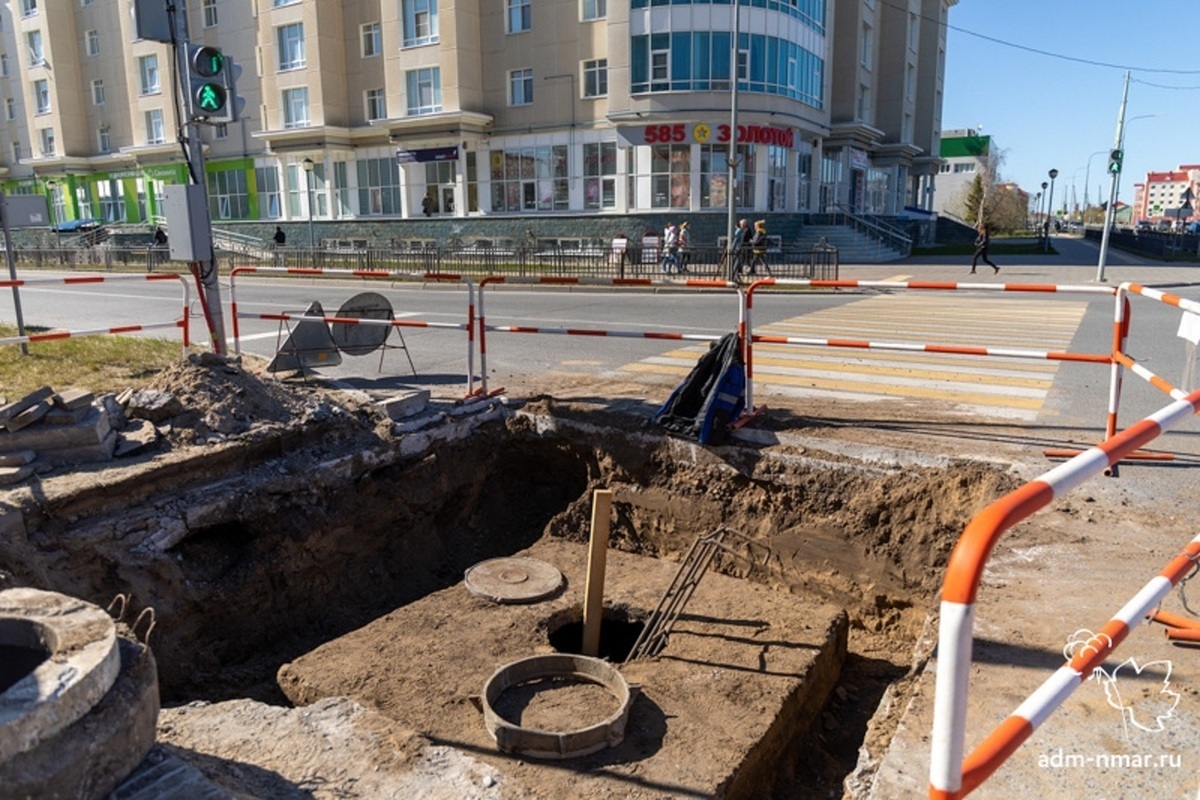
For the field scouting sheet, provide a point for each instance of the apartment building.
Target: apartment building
(1160, 198)
(405, 109)
(965, 154)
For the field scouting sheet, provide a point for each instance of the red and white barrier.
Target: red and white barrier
(952, 776)
(468, 326)
(749, 338)
(76, 280)
(552, 281)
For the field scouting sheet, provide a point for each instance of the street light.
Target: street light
(308, 170)
(1043, 222)
(1050, 207)
(1087, 176)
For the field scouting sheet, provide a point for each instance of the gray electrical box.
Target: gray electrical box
(189, 232)
(26, 211)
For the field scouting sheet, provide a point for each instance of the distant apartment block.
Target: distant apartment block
(411, 108)
(1159, 197)
(965, 154)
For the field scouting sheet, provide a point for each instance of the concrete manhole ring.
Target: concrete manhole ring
(513, 738)
(514, 580)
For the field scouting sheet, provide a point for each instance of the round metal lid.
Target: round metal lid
(513, 580)
(359, 340)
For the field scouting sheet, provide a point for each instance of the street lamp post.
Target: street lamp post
(1037, 212)
(1050, 207)
(1087, 176)
(308, 171)
(1043, 221)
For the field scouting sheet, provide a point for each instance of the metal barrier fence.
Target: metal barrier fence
(181, 323)
(749, 338)
(598, 282)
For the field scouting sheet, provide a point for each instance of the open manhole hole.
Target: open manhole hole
(19, 660)
(618, 634)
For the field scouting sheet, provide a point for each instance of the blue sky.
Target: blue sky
(1044, 111)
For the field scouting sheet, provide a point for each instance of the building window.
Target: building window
(290, 39)
(660, 71)
(595, 78)
(210, 13)
(868, 46)
(520, 15)
(424, 88)
(103, 141)
(714, 174)
(148, 74)
(93, 43)
(863, 112)
(914, 32)
(97, 92)
(16, 152)
(910, 82)
(281, 3)
(777, 159)
(441, 178)
(34, 40)
(4, 64)
(520, 87)
(83, 202)
(41, 96)
(376, 104)
(372, 40)
(112, 200)
(10, 108)
(670, 175)
(420, 22)
(28, 8)
(530, 179)
(48, 145)
(594, 9)
(295, 108)
(600, 175)
(220, 131)
(228, 197)
(378, 187)
(267, 181)
(155, 132)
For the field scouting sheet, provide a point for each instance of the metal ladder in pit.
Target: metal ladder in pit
(657, 629)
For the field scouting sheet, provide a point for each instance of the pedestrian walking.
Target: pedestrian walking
(280, 238)
(684, 241)
(669, 262)
(981, 248)
(758, 248)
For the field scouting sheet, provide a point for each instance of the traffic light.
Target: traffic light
(1114, 161)
(233, 103)
(207, 96)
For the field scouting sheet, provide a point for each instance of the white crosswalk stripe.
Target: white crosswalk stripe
(992, 385)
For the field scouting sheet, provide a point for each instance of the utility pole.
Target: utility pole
(732, 159)
(1114, 172)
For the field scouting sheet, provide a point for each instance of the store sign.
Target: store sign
(427, 154)
(705, 133)
(859, 159)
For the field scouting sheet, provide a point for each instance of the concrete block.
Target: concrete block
(74, 399)
(63, 416)
(81, 453)
(138, 435)
(29, 416)
(9, 411)
(405, 405)
(18, 458)
(89, 432)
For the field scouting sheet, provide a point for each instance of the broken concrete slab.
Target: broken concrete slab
(14, 408)
(405, 405)
(29, 416)
(11, 475)
(74, 399)
(138, 435)
(153, 405)
(63, 416)
(91, 431)
(17, 458)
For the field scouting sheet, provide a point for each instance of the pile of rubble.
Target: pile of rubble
(47, 429)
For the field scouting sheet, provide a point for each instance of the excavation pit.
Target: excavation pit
(341, 559)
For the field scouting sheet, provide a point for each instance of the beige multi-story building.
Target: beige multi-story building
(397, 109)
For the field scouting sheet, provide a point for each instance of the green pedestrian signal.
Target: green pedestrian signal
(207, 96)
(1114, 161)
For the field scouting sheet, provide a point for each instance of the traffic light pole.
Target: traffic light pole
(1110, 213)
(204, 268)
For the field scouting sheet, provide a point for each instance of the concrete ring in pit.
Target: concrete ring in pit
(82, 665)
(512, 738)
(513, 580)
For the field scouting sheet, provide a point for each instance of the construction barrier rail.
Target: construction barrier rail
(950, 775)
(469, 326)
(610, 282)
(181, 323)
(749, 338)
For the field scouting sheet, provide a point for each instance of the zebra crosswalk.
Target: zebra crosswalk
(1001, 386)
